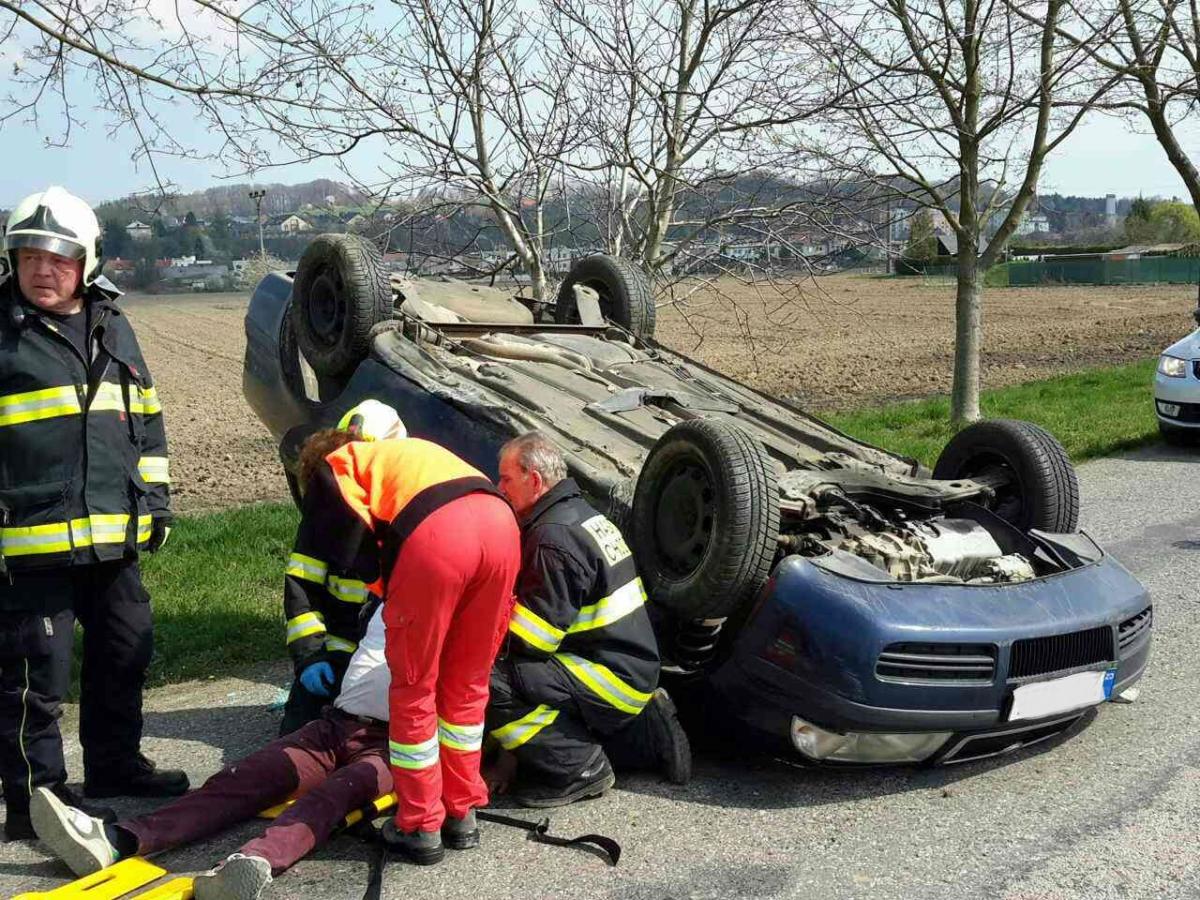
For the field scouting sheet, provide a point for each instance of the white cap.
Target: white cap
(373, 421)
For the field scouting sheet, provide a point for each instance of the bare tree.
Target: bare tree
(680, 107)
(463, 97)
(1153, 48)
(954, 106)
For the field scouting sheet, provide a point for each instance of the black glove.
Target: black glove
(160, 530)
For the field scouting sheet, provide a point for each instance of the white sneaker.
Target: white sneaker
(73, 836)
(238, 878)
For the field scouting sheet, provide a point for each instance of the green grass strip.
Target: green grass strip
(217, 589)
(1094, 413)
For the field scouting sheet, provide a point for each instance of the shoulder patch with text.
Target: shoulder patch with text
(608, 538)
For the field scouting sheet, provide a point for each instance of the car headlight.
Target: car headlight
(1172, 366)
(864, 746)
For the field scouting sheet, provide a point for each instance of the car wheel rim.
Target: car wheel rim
(606, 303)
(1009, 502)
(685, 518)
(326, 308)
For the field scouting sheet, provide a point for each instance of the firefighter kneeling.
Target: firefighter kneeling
(577, 689)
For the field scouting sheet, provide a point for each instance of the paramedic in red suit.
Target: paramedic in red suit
(449, 551)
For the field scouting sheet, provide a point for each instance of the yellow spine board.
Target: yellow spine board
(107, 884)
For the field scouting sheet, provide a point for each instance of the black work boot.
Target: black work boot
(668, 741)
(593, 781)
(461, 834)
(19, 827)
(421, 847)
(139, 779)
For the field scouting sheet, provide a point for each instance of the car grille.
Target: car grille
(1041, 656)
(994, 744)
(1188, 412)
(1132, 629)
(975, 663)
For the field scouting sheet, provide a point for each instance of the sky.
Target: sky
(1103, 156)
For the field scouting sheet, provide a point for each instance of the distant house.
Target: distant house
(293, 224)
(139, 231)
(1034, 223)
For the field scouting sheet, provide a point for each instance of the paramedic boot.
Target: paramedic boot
(421, 847)
(461, 834)
(140, 778)
(593, 781)
(240, 877)
(79, 840)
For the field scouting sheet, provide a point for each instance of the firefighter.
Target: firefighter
(578, 684)
(83, 490)
(448, 552)
(322, 604)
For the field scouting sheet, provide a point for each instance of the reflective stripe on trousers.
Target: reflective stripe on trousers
(524, 729)
(466, 738)
(414, 756)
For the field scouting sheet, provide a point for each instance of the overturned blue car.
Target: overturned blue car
(834, 596)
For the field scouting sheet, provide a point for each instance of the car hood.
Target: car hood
(1186, 348)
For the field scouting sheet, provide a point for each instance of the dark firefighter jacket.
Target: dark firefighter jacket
(358, 508)
(83, 452)
(581, 604)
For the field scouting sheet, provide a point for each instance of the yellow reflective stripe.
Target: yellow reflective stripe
(467, 738)
(111, 398)
(32, 539)
(604, 684)
(154, 470)
(58, 537)
(620, 603)
(534, 630)
(306, 568)
(46, 403)
(147, 403)
(523, 730)
(338, 644)
(350, 590)
(414, 756)
(108, 398)
(305, 624)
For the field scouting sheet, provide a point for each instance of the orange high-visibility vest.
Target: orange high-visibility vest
(393, 485)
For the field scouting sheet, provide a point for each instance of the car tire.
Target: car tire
(705, 519)
(340, 292)
(1039, 490)
(293, 484)
(626, 297)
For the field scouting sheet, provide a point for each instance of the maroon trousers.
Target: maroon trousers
(335, 765)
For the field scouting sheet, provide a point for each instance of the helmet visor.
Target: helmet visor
(47, 242)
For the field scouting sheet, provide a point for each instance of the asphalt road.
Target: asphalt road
(1106, 813)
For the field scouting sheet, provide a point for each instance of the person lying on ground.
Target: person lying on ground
(334, 765)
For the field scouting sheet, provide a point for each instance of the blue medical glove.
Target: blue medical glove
(318, 679)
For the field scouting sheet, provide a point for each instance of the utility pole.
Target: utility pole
(257, 196)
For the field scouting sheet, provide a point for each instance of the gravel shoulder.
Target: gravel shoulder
(1106, 813)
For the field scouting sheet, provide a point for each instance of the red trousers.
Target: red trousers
(446, 609)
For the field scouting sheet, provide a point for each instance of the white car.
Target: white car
(1177, 389)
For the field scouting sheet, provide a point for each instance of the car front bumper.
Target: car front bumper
(812, 647)
(1183, 393)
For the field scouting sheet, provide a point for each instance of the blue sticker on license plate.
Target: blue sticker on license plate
(1110, 678)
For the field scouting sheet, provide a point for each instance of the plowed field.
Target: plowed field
(850, 340)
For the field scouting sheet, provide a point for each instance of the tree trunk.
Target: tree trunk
(968, 328)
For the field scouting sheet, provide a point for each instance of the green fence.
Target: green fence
(1099, 270)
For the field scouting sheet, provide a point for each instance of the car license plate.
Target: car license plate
(1046, 698)
(1168, 409)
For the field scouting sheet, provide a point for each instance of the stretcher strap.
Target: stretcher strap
(596, 844)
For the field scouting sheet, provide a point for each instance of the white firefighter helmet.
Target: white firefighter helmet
(59, 222)
(373, 421)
